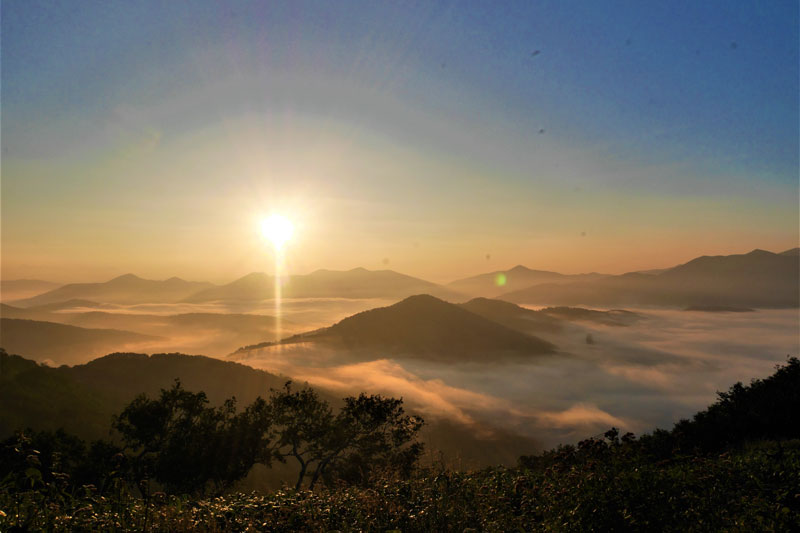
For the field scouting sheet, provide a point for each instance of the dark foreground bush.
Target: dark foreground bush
(757, 489)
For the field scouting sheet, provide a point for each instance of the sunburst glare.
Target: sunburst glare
(277, 229)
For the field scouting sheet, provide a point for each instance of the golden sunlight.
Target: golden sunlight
(277, 229)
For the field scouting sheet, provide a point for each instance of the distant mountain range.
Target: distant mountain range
(756, 279)
(127, 289)
(494, 284)
(130, 289)
(424, 327)
(355, 283)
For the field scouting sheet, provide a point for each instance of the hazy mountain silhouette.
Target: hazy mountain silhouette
(792, 252)
(425, 327)
(211, 333)
(50, 312)
(9, 311)
(14, 289)
(513, 316)
(719, 309)
(493, 284)
(355, 283)
(756, 279)
(70, 304)
(63, 344)
(614, 317)
(127, 289)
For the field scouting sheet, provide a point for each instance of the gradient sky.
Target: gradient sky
(429, 138)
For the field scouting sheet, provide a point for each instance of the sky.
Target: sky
(438, 139)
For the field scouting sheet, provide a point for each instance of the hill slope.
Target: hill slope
(63, 344)
(425, 327)
(513, 316)
(83, 398)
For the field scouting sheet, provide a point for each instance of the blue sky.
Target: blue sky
(666, 116)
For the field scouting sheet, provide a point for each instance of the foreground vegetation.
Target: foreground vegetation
(734, 467)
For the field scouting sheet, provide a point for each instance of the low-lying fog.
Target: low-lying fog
(649, 374)
(213, 329)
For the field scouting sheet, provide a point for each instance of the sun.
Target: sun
(277, 229)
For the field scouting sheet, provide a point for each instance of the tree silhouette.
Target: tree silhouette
(190, 447)
(369, 433)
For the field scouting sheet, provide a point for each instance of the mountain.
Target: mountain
(127, 289)
(755, 279)
(792, 252)
(355, 283)
(14, 289)
(63, 344)
(513, 316)
(493, 284)
(427, 328)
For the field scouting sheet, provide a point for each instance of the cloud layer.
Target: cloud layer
(637, 378)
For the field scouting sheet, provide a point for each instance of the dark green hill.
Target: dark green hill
(49, 398)
(83, 398)
(124, 375)
(427, 328)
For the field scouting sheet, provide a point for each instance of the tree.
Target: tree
(369, 433)
(302, 425)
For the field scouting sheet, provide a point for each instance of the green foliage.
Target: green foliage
(765, 409)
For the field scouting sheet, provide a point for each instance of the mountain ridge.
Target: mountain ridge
(756, 279)
(422, 326)
(354, 283)
(125, 289)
